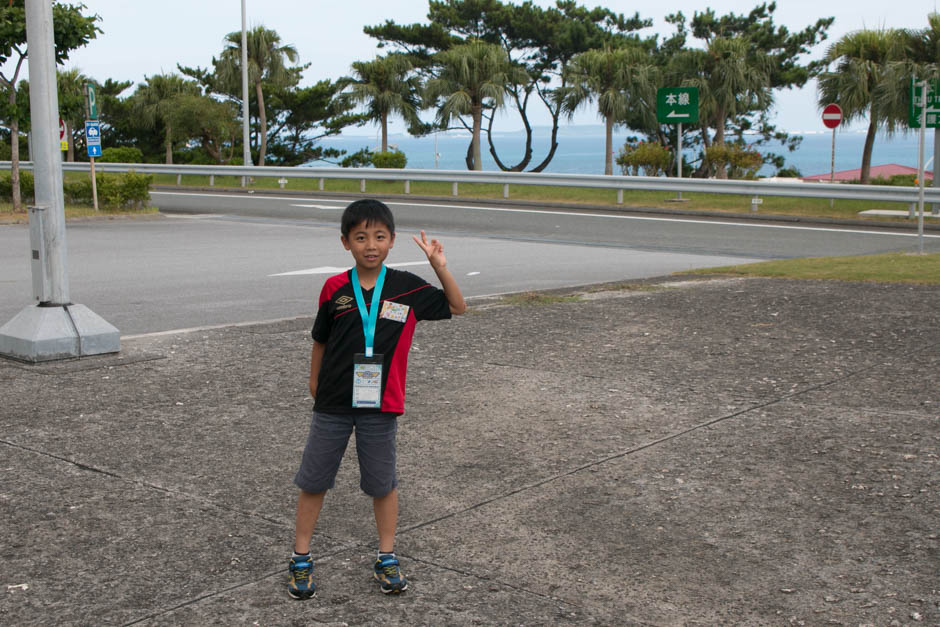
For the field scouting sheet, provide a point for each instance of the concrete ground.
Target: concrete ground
(728, 451)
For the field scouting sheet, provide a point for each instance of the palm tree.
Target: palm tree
(864, 82)
(924, 46)
(616, 78)
(71, 85)
(733, 78)
(266, 65)
(154, 101)
(385, 87)
(471, 76)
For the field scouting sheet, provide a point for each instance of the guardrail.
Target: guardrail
(755, 189)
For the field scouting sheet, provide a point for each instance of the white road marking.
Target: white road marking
(580, 214)
(337, 270)
(472, 273)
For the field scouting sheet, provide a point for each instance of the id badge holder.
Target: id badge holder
(367, 381)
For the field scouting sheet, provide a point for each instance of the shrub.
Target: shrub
(78, 192)
(117, 191)
(740, 161)
(652, 157)
(27, 186)
(121, 154)
(392, 159)
(904, 180)
(789, 173)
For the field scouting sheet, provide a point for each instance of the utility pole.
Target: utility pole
(246, 138)
(54, 327)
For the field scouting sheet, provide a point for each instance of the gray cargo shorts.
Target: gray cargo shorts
(326, 444)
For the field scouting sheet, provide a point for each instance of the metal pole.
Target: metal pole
(679, 157)
(246, 150)
(47, 158)
(920, 167)
(832, 164)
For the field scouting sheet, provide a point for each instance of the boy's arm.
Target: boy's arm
(316, 360)
(435, 252)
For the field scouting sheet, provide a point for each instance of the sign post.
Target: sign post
(922, 124)
(676, 105)
(832, 118)
(92, 136)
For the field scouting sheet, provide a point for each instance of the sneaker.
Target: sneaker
(389, 575)
(300, 585)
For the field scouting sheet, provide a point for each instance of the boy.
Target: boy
(361, 339)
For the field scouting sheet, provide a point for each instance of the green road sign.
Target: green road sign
(92, 101)
(677, 105)
(933, 105)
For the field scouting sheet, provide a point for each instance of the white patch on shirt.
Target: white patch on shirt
(394, 311)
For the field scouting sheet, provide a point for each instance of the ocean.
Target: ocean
(581, 150)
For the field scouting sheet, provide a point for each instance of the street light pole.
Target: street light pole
(53, 328)
(47, 163)
(246, 150)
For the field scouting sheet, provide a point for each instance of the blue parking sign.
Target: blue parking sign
(93, 138)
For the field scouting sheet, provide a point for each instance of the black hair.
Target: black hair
(368, 210)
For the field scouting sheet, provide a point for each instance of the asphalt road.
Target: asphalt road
(219, 259)
(618, 229)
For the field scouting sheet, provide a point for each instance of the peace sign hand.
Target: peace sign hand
(433, 249)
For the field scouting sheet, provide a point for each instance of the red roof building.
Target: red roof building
(877, 171)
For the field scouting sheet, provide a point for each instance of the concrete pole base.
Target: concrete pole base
(60, 332)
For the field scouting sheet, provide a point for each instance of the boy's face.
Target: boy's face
(369, 245)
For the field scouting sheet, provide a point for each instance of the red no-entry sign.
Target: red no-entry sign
(832, 116)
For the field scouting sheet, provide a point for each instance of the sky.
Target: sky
(146, 38)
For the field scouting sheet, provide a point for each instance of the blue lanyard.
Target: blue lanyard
(369, 317)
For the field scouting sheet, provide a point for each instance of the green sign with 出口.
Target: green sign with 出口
(677, 105)
(933, 105)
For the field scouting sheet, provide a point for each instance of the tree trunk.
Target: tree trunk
(169, 146)
(70, 152)
(15, 166)
(702, 170)
(609, 145)
(721, 172)
(477, 112)
(527, 154)
(210, 146)
(263, 120)
(865, 176)
(553, 146)
(385, 131)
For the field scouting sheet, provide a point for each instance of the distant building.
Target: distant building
(877, 171)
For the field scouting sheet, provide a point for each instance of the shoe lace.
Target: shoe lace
(390, 568)
(300, 570)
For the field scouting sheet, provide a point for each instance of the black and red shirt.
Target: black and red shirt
(339, 326)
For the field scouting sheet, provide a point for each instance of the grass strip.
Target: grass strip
(7, 216)
(910, 268)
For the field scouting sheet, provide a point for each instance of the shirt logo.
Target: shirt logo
(344, 302)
